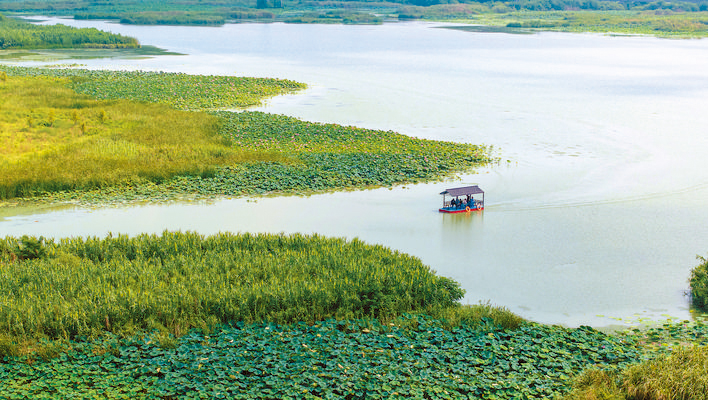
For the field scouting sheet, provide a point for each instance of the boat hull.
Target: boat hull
(457, 211)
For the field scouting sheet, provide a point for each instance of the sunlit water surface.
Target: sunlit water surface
(595, 213)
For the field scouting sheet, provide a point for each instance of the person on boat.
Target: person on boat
(452, 203)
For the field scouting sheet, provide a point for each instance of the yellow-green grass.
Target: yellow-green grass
(662, 24)
(681, 375)
(55, 139)
(119, 144)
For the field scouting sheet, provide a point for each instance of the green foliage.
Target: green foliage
(57, 140)
(17, 34)
(353, 359)
(254, 153)
(694, 24)
(333, 156)
(477, 314)
(80, 287)
(119, 141)
(661, 18)
(172, 18)
(333, 17)
(316, 157)
(672, 365)
(680, 374)
(30, 247)
(182, 91)
(596, 384)
(699, 284)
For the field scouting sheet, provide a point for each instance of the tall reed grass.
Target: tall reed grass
(54, 139)
(680, 375)
(81, 287)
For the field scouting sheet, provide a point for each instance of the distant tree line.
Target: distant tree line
(269, 3)
(223, 7)
(17, 34)
(218, 12)
(558, 5)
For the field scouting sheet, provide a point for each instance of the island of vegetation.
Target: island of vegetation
(99, 135)
(659, 18)
(18, 34)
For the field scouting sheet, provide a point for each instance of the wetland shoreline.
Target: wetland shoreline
(237, 154)
(151, 356)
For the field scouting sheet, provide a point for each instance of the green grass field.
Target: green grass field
(55, 140)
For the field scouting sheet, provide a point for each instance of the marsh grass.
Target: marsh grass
(19, 34)
(178, 90)
(55, 139)
(179, 281)
(680, 375)
(634, 22)
(134, 145)
(476, 314)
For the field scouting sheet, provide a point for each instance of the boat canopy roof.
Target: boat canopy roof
(463, 191)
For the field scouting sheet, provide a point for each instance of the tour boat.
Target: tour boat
(462, 200)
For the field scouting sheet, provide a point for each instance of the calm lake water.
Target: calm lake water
(595, 213)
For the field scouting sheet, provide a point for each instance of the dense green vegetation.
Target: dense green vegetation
(128, 147)
(680, 374)
(621, 22)
(304, 157)
(661, 18)
(16, 34)
(699, 284)
(56, 140)
(81, 287)
(182, 91)
(356, 359)
(181, 315)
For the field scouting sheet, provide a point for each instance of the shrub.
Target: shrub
(699, 284)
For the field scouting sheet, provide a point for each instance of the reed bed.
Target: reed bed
(57, 140)
(680, 375)
(82, 287)
(178, 90)
(19, 34)
(135, 144)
